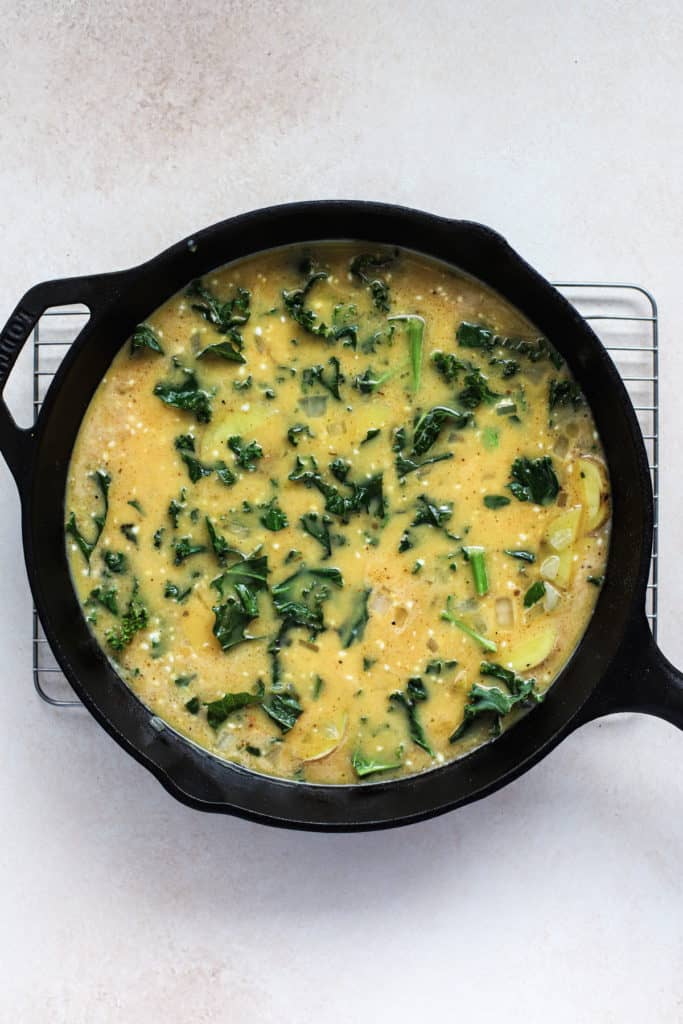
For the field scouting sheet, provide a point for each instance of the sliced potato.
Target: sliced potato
(320, 739)
(565, 569)
(533, 650)
(563, 530)
(594, 486)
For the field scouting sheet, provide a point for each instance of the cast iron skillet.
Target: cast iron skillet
(617, 666)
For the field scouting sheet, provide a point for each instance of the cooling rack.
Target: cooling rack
(623, 315)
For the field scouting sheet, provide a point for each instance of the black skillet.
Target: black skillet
(617, 666)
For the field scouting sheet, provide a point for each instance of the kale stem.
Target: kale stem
(415, 326)
(476, 556)
(487, 645)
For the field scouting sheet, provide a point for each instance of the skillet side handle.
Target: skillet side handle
(94, 292)
(640, 679)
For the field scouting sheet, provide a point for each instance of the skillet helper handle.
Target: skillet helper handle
(16, 443)
(640, 679)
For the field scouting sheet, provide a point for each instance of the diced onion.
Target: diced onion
(550, 567)
(551, 597)
(504, 613)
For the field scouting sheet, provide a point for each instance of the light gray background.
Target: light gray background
(126, 126)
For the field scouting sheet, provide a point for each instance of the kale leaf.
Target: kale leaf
(145, 337)
(317, 374)
(430, 424)
(363, 267)
(85, 546)
(534, 480)
(273, 517)
(133, 620)
(564, 393)
(409, 698)
(186, 395)
(354, 626)
(246, 455)
(184, 445)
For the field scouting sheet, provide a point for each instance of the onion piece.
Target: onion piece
(550, 567)
(551, 597)
(505, 618)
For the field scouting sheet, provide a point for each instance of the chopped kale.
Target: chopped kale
(226, 317)
(86, 547)
(193, 705)
(363, 267)
(409, 698)
(534, 480)
(476, 391)
(494, 501)
(186, 395)
(105, 596)
(295, 300)
(273, 517)
(597, 581)
(230, 621)
(284, 708)
(223, 350)
(492, 700)
(185, 680)
(371, 435)
(367, 496)
(115, 561)
(185, 548)
(363, 765)
(217, 711)
(246, 455)
(521, 554)
(428, 513)
(430, 424)
(369, 380)
(145, 338)
(354, 627)
(508, 367)
(299, 599)
(404, 466)
(224, 474)
(437, 666)
(318, 527)
(242, 383)
(249, 572)
(297, 431)
(339, 468)
(133, 620)
(312, 375)
(184, 445)
(449, 366)
(535, 592)
(130, 532)
(564, 393)
(173, 591)
(470, 335)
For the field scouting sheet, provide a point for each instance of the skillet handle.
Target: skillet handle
(640, 679)
(94, 292)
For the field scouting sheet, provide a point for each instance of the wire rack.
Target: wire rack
(623, 315)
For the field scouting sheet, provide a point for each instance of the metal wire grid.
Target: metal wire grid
(623, 315)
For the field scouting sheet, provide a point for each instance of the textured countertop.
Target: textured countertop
(125, 127)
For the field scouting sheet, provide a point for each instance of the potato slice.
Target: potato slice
(533, 650)
(565, 569)
(594, 491)
(319, 740)
(563, 530)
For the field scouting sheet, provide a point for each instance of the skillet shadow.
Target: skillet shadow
(175, 849)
